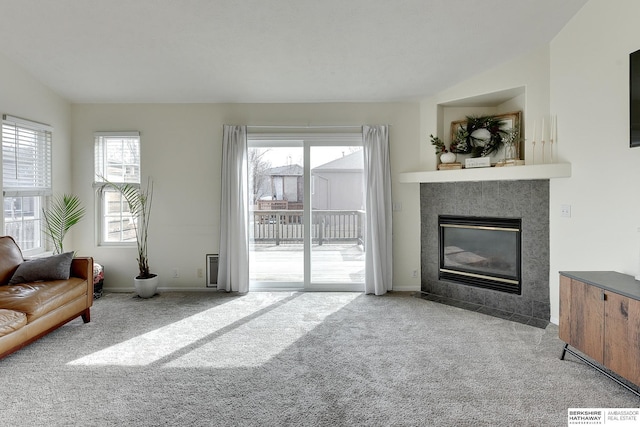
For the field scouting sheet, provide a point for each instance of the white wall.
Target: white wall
(181, 150)
(530, 71)
(23, 96)
(590, 95)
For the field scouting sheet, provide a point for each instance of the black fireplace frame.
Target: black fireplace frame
(497, 282)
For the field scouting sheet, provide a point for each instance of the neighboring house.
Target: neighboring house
(284, 183)
(336, 185)
(339, 184)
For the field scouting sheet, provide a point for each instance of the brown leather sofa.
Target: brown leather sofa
(30, 310)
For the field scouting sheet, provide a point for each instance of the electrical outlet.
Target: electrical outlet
(199, 273)
(414, 274)
(176, 273)
(565, 211)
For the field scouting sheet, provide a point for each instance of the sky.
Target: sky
(281, 156)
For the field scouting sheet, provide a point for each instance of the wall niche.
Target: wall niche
(494, 103)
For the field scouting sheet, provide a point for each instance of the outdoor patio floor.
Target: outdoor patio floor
(330, 263)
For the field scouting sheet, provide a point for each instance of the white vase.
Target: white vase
(146, 288)
(448, 157)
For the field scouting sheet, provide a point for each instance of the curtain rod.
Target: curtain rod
(307, 127)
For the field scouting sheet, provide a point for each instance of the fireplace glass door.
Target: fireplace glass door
(481, 251)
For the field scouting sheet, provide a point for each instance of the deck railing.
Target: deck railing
(282, 226)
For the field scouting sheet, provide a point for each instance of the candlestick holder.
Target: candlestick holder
(533, 152)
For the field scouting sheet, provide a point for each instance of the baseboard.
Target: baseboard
(406, 288)
(397, 288)
(164, 289)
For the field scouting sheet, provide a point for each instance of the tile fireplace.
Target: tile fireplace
(519, 201)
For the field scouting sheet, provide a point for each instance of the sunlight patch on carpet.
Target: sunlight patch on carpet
(259, 340)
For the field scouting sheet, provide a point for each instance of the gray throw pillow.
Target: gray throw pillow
(56, 267)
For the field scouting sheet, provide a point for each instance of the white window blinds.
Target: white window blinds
(26, 157)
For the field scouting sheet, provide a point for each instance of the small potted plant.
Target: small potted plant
(446, 156)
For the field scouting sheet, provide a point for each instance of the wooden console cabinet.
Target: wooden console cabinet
(600, 317)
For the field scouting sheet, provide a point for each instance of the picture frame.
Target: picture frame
(512, 120)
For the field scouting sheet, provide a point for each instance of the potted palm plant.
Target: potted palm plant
(139, 200)
(64, 212)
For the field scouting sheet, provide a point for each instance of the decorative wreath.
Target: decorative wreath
(468, 140)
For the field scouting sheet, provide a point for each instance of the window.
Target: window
(26, 180)
(117, 160)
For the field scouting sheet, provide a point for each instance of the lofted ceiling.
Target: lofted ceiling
(265, 51)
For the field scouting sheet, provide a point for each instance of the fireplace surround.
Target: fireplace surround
(527, 200)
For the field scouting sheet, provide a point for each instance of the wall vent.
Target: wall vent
(212, 270)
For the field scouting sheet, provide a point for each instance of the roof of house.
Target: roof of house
(288, 170)
(349, 162)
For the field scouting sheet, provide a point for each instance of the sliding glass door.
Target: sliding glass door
(306, 212)
(276, 209)
(337, 213)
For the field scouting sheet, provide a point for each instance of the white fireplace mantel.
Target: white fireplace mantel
(508, 173)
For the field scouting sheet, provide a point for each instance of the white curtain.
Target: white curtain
(378, 253)
(233, 266)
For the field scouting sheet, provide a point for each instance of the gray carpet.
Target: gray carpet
(299, 359)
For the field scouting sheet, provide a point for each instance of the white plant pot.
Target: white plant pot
(146, 288)
(448, 157)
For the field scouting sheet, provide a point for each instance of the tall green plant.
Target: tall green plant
(139, 200)
(64, 212)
